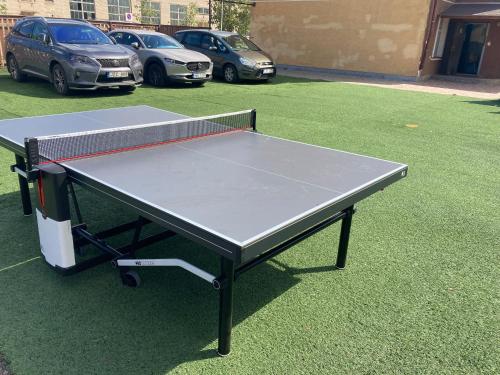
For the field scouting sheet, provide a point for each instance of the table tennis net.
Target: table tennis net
(79, 145)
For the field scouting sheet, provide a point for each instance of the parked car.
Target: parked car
(71, 54)
(234, 56)
(164, 58)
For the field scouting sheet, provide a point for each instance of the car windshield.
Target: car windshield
(78, 34)
(160, 41)
(239, 43)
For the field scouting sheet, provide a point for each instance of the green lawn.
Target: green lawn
(419, 294)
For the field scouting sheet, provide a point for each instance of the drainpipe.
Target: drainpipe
(428, 33)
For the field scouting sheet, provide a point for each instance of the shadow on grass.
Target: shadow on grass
(492, 103)
(90, 323)
(39, 88)
(301, 271)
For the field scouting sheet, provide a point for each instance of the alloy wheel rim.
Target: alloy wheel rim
(229, 74)
(13, 68)
(59, 80)
(155, 77)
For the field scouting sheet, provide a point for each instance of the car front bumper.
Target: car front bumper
(181, 73)
(257, 72)
(83, 77)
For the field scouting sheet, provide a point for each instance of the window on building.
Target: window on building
(203, 11)
(82, 9)
(117, 9)
(177, 14)
(150, 12)
(441, 33)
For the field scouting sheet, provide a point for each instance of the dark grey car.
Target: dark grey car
(234, 56)
(72, 54)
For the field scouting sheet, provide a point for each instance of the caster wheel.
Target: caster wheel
(131, 279)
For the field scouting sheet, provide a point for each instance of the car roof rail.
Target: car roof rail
(32, 18)
(65, 19)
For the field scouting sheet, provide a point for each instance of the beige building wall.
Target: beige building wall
(382, 36)
(101, 9)
(60, 8)
(46, 8)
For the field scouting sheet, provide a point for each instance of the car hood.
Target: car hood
(98, 50)
(257, 56)
(181, 54)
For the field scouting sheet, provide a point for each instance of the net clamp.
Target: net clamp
(30, 175)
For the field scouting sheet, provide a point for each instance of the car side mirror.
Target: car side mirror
(134, 45)
(44, 38)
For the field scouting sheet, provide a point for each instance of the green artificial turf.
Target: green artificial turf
(419, 294)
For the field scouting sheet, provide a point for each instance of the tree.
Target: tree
(191, 13)
(236, 17)
(145, 12)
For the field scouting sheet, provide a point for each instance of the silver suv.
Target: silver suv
(71, 54)
(164, 58)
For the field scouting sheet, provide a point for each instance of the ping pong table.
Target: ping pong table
(214, 180)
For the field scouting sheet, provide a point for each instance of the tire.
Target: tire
(197, 84)
(131, 279)
(13, 68)
(59, 80)
(156, 75)
(230, 74)
(127, 88)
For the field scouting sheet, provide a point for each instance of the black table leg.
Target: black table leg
(344, 237)
(225, 306)
(24, 187)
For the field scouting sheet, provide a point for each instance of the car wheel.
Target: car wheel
(156, 75)
(127, 88)
(230, 74)
(13, 68)
(197, 84)
(59, 80)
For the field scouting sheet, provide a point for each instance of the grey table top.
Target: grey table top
(239, 186)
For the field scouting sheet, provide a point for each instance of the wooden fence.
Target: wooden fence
(7, 23)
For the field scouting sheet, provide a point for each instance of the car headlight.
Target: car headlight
(81, 59)
(172, 61)
(247, 62)
(134, 61)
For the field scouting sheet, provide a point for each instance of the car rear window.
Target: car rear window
(78, 34)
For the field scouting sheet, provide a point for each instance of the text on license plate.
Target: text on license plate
(117, 74)
(268, 71)
(198, 75)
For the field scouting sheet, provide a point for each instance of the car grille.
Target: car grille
(195, 66)
(113, 63)
(267, 63)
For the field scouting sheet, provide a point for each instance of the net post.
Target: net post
(253, 119)
(32, 157)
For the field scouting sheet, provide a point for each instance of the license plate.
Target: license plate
(268, 71)
(198, 75)
(117, 74)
